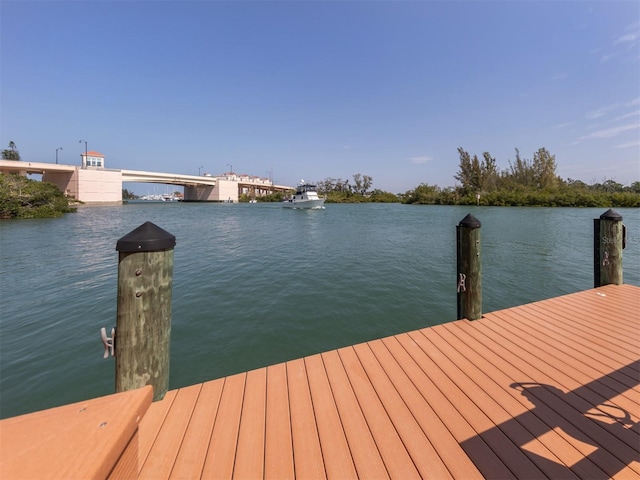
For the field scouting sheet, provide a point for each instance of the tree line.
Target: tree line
(524, 182)
(337, 190)
(483, 175)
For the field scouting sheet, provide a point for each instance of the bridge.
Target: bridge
(104, 186)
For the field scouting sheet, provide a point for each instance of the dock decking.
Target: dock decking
(545, 390)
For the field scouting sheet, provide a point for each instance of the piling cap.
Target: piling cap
(148, 237)
(470, 222)
(611, 215)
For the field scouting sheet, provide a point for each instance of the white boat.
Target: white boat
(169, 197)
(305, 197)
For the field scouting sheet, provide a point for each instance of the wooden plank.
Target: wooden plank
(127, 465)
(540, 425)
(553, 454)
(588, 361)
(160, 460)
(364, 451)
(394, 454)
(618, 300)
(564, 378)
(601, 314)
(423, 454)
(416, 364)
(588, 356)
(278, 441)
(603, 323)
(576, 339)
(335, 449)
(601, 307)
(152, 423)
(449, 450)
(557, 413)
(515, 459)
(307, 452)
(224, 439)
(80, 440)
(249, 462)
(625, 295)
(165, 449)
(580, 373)
(602, 334)
(193, 452)
(587, 316)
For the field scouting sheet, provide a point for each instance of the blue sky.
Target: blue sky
(318, 89)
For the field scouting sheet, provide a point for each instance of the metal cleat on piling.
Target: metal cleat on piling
(108, 342)
(461, 283)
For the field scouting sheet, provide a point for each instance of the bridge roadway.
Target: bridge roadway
(166, 178)
(56, 171)
(11, 166)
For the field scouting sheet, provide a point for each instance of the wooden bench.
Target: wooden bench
(97, 438)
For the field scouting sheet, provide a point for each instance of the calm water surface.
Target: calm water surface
(258, 284)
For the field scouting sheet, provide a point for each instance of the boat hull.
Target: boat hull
(304, 204)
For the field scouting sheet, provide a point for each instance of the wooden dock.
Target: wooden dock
(549, 389)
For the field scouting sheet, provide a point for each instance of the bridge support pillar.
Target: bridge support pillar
(225, 191)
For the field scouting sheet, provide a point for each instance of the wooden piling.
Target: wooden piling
(469, 278)
(143, 325)
(608, 242)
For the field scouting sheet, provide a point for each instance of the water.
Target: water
(256, 284)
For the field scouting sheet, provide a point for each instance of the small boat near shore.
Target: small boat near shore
(306, 196)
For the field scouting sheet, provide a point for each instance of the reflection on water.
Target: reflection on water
(259, 284)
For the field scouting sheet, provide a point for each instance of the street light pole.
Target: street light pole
(230, 167)
(59, 148)
(200, 170)
(86, 153)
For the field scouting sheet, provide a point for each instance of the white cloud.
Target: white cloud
(593, 114)
(628, 38)
(610, 132)
(629, 144)
(420, 160)
(601, 112)
(622, 44)
(628, 115)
